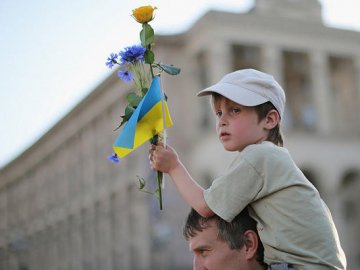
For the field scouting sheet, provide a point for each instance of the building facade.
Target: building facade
(64, 206)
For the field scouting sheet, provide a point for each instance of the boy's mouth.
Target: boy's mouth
(223, 135)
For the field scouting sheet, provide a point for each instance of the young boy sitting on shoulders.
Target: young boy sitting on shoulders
(294, 224)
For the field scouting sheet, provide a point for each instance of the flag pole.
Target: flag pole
(163, 111)
(164, 123)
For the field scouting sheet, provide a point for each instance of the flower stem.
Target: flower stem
(151, 68)
(159, 180)
(154, 140)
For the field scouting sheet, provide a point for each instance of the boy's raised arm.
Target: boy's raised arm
(166, 160)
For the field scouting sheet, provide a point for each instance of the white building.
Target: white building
(64, 206)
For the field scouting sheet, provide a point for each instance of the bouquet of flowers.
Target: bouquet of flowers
(146, 115)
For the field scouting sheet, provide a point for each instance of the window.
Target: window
(343, 94)
(246, 57)
(300, 114)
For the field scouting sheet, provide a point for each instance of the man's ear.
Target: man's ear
(271, 119)
(251, 244)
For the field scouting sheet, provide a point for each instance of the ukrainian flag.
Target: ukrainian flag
(146, 121)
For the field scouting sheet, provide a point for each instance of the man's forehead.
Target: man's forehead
(206, 237)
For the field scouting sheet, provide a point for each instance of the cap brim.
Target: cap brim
(237, 94)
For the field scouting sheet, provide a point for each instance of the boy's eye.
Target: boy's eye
(218, 113)
(235, 110)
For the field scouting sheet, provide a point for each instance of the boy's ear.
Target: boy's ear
(272, 119)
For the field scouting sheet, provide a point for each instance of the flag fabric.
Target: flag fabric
(146, 121)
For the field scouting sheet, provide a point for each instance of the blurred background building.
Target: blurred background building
(64, 206)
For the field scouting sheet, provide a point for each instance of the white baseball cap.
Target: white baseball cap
(249, 87)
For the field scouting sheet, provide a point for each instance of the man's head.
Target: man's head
(219, 245)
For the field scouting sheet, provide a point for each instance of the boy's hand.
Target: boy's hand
(163, 159)
(166, 160)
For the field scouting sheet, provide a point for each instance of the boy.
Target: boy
(294, 224)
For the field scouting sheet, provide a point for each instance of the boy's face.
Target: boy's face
(237, 126)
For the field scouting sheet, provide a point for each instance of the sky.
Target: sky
(53, 53)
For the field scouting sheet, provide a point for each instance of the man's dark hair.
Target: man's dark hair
(230, 232)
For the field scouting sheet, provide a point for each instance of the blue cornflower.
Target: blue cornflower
(132, 54)
(111, 60)
(125, 75)
(114, 158)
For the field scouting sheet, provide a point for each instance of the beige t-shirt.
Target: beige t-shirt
(294, 224)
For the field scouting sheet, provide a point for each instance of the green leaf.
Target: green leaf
(144, 91)
(133, 99)
(157, 194)
(149, 57)
(147, 35)
(129, 110)
(128, 113)
(170, 69)
(141, 183)
(122, 122)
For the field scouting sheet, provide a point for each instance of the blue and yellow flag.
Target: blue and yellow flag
(146, 121)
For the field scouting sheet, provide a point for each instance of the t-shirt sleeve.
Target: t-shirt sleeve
(230, 193)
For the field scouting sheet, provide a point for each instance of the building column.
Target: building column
(357, 78)
(321, 91)
(219, 60)
(121, 231)
(103, 234)
(272, 62)
(75, 242)
(89, 247)
(63, 247)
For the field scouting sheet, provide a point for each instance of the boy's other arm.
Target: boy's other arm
(166, 160)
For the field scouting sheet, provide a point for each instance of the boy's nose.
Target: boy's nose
(223, 121)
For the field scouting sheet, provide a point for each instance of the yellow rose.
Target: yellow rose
(144, 14)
